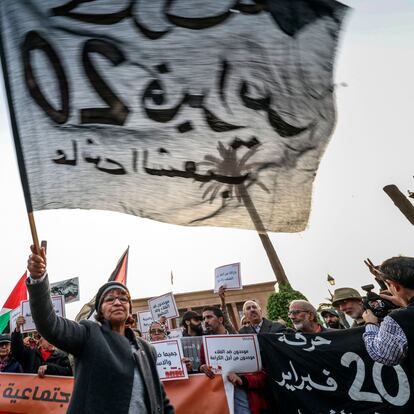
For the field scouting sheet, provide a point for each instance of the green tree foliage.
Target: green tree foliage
(278, 303)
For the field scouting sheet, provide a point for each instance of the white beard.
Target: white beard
(298, 325)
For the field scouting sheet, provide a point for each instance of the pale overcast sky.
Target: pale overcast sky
(351, 217)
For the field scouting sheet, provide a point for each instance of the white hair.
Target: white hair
(250, 301)
(307, 306)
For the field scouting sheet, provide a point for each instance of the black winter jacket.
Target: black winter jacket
(12, 367)
(104, 361)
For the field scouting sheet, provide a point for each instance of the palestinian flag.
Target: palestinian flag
(119, 275)
(18, 294)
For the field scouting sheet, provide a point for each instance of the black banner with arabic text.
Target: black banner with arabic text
(331, 373)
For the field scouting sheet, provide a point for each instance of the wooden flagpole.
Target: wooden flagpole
(401, 202)
(264, 237)
(33, 230)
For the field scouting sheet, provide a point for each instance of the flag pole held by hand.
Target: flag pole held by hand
(34, 233)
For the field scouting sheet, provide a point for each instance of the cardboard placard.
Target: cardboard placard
(163, 305)
(144, 321)
(228, 276)
(14, 314)
(237, 353)
(169, 360)
(58, 303)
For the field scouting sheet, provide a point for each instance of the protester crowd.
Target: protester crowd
(387, 339)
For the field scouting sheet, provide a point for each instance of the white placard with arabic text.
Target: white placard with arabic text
(228, 276)
(58, 303)
(169, 360)
(144, 321)
(14, 314)
(163, 306)
(237, 353)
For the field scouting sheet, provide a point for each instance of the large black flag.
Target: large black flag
(171, 110)
(331, 373)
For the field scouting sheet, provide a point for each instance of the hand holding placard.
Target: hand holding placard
(232, 353)
(227, 276)
(29, 325)
(170, 360)
(144, 321)
(16, 319)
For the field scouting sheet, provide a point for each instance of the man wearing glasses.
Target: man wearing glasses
(304, 317)
(393, 340)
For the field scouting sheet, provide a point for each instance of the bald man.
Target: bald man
(253, 313)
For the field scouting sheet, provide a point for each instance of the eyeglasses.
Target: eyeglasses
(111, 299)
(296, 312)
(157, 331)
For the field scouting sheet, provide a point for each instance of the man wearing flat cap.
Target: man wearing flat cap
(349, 301)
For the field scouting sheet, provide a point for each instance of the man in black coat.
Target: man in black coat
(253, 313)
(43, 360)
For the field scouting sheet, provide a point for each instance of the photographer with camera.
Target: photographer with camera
(393, 340)
(380, 305)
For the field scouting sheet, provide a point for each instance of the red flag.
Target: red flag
(18, 294)
(120, 272)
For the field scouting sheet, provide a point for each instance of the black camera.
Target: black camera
(380, 307)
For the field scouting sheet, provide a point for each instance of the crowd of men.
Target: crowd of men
(386, 341)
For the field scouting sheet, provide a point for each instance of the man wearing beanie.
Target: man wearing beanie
(115, 372)
(332, 319)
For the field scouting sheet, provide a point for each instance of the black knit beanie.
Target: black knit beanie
(107, 287)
